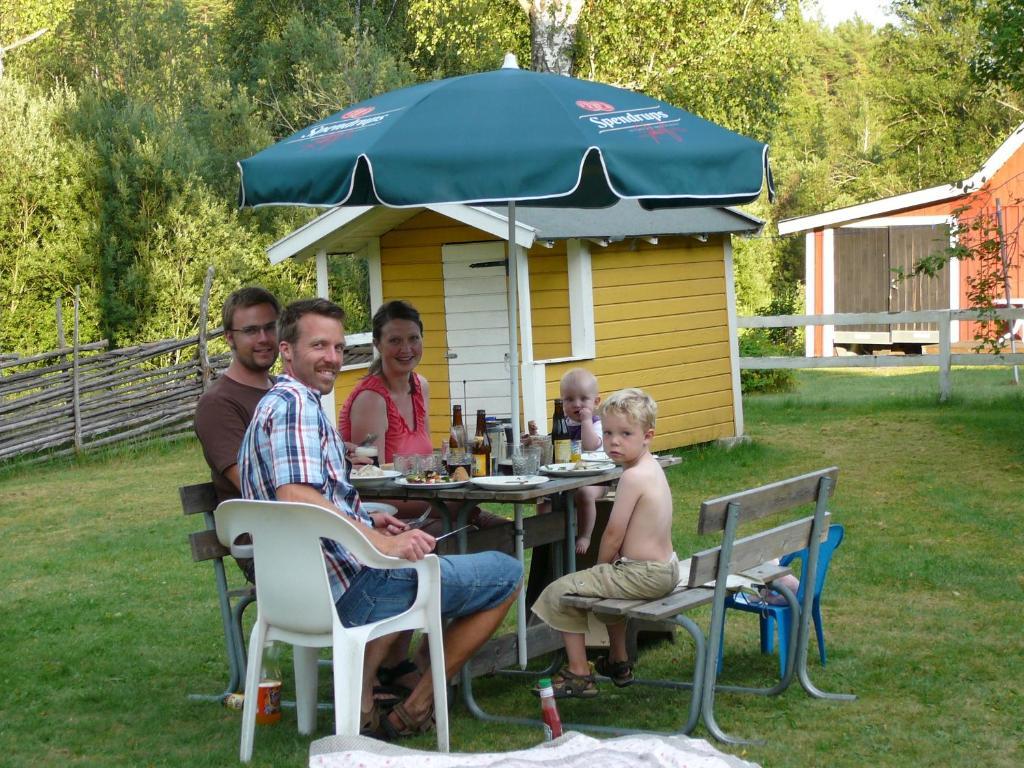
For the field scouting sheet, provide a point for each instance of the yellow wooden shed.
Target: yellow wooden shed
(641, 298)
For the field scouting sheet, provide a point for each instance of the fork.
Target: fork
(418, 521)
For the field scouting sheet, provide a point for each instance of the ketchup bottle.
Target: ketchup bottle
(548, 710)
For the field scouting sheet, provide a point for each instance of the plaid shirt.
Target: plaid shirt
(291, 440)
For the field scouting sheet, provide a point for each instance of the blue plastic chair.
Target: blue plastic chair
(779, 615)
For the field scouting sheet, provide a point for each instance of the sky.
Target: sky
(835, 11)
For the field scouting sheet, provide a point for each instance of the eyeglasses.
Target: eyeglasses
(254, 330)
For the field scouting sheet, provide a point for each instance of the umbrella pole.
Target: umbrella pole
(512, 297)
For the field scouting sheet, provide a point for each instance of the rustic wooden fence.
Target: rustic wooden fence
(944, 360)
(85, 396)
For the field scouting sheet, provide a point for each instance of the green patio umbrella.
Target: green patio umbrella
(508, 135)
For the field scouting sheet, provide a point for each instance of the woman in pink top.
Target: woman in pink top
(392, 400)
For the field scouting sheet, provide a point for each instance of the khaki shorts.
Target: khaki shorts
(624, 579)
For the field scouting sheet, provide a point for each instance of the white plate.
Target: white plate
(510, 482)
(569, 470)
(452, 484)
(366, 482)
(369, 507)
(595, 456)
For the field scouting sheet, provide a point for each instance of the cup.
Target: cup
(534, 455)
(525, 460)
(367, 450)
(430, 462)
(268, 702)
(543, 442)
(407, 463)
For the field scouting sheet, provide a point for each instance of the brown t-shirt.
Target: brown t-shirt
(222, 416)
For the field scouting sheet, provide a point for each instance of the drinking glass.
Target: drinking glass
(407, 464)
(525, 460)
(430, 462)
(534, 454)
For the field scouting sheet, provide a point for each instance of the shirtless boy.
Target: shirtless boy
(636, 559)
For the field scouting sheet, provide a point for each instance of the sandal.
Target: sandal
(391, 675)
(567, 685)
(387, 696)
(406, 724)
(619, 672)
(370, 726)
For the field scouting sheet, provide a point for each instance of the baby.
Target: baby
(636, 560)
(578, 390)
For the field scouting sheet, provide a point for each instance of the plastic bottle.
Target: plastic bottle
(549, 710)
(560, 442)
(268, 701)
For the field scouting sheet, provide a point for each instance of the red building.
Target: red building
(850, 253)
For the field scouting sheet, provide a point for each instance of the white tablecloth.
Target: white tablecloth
(572, 750)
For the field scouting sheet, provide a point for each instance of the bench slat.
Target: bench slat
(753, 550)
(206, 546)
(198, 498)
(766, 572)
(672, 605)
(765, 500)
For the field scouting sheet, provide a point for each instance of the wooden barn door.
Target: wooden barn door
(907, 246)
(862, 281)
(865, 258)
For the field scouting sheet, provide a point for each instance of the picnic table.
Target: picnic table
(559, 526)
(526, 532)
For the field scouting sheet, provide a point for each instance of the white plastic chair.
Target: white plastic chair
(294, 605)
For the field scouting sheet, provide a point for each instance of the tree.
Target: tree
(1000, 58)
(941, 123)
(552, 33)
(45, 222)
(730, 61)
(458, 37)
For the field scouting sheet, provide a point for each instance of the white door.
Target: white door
(477, 318)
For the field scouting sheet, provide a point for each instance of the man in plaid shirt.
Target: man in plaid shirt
(292, 452)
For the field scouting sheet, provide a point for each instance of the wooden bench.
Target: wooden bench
(202, 499)
(738, 563)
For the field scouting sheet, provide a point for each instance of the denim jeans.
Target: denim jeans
(469, 584)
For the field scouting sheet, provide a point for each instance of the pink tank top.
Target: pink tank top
(399, 438)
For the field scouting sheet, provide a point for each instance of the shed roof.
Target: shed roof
(347, 229)
(628, 218)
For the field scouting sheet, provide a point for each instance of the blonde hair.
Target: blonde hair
(635, 404)
(581, 375)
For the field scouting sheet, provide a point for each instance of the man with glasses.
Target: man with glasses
(250, 316)
(226, 408)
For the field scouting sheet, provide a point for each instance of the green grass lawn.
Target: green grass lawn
(107, 624)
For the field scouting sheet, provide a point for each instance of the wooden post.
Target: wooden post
(945, 384)
(76, 406)
(204, 310)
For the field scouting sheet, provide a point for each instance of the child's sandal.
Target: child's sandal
(619, 672)
(567, 685)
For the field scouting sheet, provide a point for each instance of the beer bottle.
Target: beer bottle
(561, 445)
(457, 436)
(481, 447)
